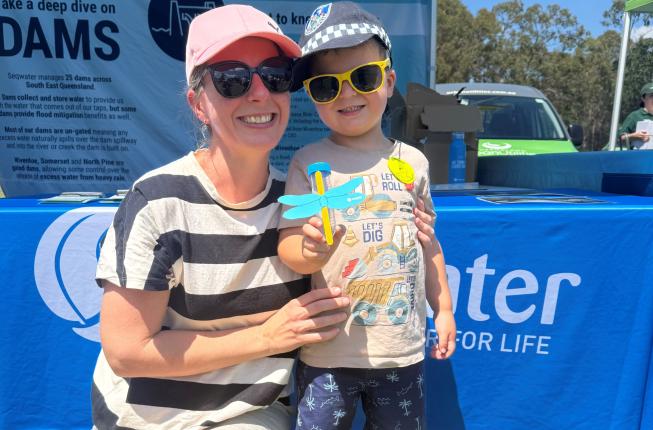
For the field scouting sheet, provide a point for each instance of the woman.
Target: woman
(200, 321)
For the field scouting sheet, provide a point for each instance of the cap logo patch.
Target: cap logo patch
(317, 18)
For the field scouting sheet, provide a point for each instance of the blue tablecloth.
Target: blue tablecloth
(554, 305)
(48, 312)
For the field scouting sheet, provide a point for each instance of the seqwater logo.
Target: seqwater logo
(502, 302)
(64, 267)
(169, 20)
(496, 146)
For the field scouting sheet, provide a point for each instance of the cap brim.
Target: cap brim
(300, 70)
(287, 45)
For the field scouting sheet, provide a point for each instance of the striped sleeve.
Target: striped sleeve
(135, 253)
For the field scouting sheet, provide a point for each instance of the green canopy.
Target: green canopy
(632, 6)
(639, 6)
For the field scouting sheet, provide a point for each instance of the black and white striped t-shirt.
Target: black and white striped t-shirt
(220, 263)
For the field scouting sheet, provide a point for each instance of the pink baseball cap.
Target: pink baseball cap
(212, 31)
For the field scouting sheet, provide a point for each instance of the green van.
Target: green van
(517, 120)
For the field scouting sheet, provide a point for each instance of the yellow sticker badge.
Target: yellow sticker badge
(401, 170)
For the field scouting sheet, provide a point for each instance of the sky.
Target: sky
(588, 12)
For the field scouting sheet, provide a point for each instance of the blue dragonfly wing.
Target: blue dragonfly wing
(303, 211)
(298, 200)
(345, 188)
(342, 202)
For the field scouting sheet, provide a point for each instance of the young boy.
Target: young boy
(376, 257)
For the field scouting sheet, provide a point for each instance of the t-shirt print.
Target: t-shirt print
(381, 281)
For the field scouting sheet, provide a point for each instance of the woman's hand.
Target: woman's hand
(424, 222)
(307, 319)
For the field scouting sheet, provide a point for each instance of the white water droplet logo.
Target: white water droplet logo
(64, 267)
(496, 146)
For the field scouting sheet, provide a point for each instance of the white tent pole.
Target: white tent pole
(434, 49)
(616, 107)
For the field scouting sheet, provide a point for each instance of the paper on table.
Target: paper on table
(74, 197)
(646, 126)
(118, 197)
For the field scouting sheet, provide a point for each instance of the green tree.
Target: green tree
(598, 76)
(639, 70)
(613, 17)
(639, 66)
(457, 49)
(524, 39)
(546, 48)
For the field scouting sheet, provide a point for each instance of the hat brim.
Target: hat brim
(301, 68)
(287, 45)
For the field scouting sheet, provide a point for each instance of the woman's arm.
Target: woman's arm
(135, 345)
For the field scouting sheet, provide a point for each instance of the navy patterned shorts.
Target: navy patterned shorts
(392, 398)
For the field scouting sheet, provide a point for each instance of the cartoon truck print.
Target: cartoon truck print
(383, 301)
(381, 205)
(397, 255)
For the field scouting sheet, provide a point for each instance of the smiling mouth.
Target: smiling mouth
(350, 109)
(258, 119)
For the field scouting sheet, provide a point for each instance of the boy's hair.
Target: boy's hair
(336, 25)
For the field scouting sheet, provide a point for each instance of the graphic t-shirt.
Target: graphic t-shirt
(379, 262)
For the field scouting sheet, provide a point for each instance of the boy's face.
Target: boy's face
(352, 114)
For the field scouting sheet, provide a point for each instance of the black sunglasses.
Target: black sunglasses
(233, 78)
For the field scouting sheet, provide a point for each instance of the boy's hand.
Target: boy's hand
(314, 246)
(446, 328)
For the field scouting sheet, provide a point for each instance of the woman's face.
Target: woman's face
(253, 122)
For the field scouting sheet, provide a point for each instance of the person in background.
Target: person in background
(200, 320)
(628, 133)
(377, 357)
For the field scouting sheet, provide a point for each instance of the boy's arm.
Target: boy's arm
(439, 298)
(437, 287)
(304, 248)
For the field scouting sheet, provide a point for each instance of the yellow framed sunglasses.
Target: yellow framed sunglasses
(364, 79)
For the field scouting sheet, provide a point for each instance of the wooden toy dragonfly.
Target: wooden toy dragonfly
(322, 199)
